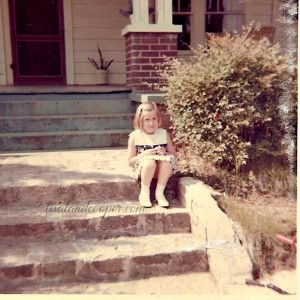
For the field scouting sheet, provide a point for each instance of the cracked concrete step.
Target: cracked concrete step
(119, 259)
(61, 104)
(32, 123)
(55, 140)
(91, 220)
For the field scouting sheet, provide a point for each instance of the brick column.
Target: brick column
(144, 52)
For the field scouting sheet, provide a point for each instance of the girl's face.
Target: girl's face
(150, 121)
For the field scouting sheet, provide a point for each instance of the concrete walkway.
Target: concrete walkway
(198, 285)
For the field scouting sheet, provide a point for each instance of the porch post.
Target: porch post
(140, 12)
(164, 11)
(147, 45)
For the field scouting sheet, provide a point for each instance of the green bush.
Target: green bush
(224, 100)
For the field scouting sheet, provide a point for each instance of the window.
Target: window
(199, 17)
(182, 16)
(224, 15)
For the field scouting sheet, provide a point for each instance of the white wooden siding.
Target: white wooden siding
(99, 22)
(2, 60)
(260, 11)
(267, 13)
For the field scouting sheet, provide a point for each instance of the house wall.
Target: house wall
(259, 11)
(2, 58)
(89, 23)
(98, 22)
(267, 13)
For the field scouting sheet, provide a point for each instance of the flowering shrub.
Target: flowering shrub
(224, 99)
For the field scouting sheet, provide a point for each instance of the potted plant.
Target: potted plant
(101, 67)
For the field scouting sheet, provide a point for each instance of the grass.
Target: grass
(262, 200)
(261, 222)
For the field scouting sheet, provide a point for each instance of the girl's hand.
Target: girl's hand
(148, 152)
(160, 150)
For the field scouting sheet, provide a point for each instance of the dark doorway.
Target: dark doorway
(37, 34)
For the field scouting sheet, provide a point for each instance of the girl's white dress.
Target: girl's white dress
(144, 141)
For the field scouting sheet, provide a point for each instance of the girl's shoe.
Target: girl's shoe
(144, 201)
(162, 201)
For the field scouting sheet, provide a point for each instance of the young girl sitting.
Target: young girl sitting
(150, 153)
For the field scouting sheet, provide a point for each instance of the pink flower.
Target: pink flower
(217, 116)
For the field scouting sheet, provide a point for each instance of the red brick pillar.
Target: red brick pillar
(144, 52)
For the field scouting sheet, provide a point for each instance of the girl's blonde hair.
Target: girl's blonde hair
(148, 107)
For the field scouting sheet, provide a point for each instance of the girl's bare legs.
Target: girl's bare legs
(147, 173)
(164, 173)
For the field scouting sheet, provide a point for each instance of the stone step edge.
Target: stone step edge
(59, 212)
(102, 227)
(89, 250)
(156, 286)
(116, 188)
(73, 192)
(65, 133)
(122, 258)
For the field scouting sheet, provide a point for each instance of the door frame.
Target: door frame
(33, 80)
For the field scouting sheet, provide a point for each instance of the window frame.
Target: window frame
(197, 26)
(198, 15)
(185, 13)
(241, 12)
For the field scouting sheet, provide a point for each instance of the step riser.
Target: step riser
(101, 192)
(65, 123)
(65, 107)
(105, 227)
(70, 141)
(98, 193)
(70, 121)
(118, 269)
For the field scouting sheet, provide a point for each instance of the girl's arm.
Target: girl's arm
(132, 155)
(131, 152)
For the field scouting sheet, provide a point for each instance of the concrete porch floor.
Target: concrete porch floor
(64, 89)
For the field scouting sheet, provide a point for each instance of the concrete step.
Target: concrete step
(194, 283)
(101, 193)
(66, 122)
(100, 176)
(66, 222)
(119, 259)
(57, 104)
(55, 140)
(48, 240)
